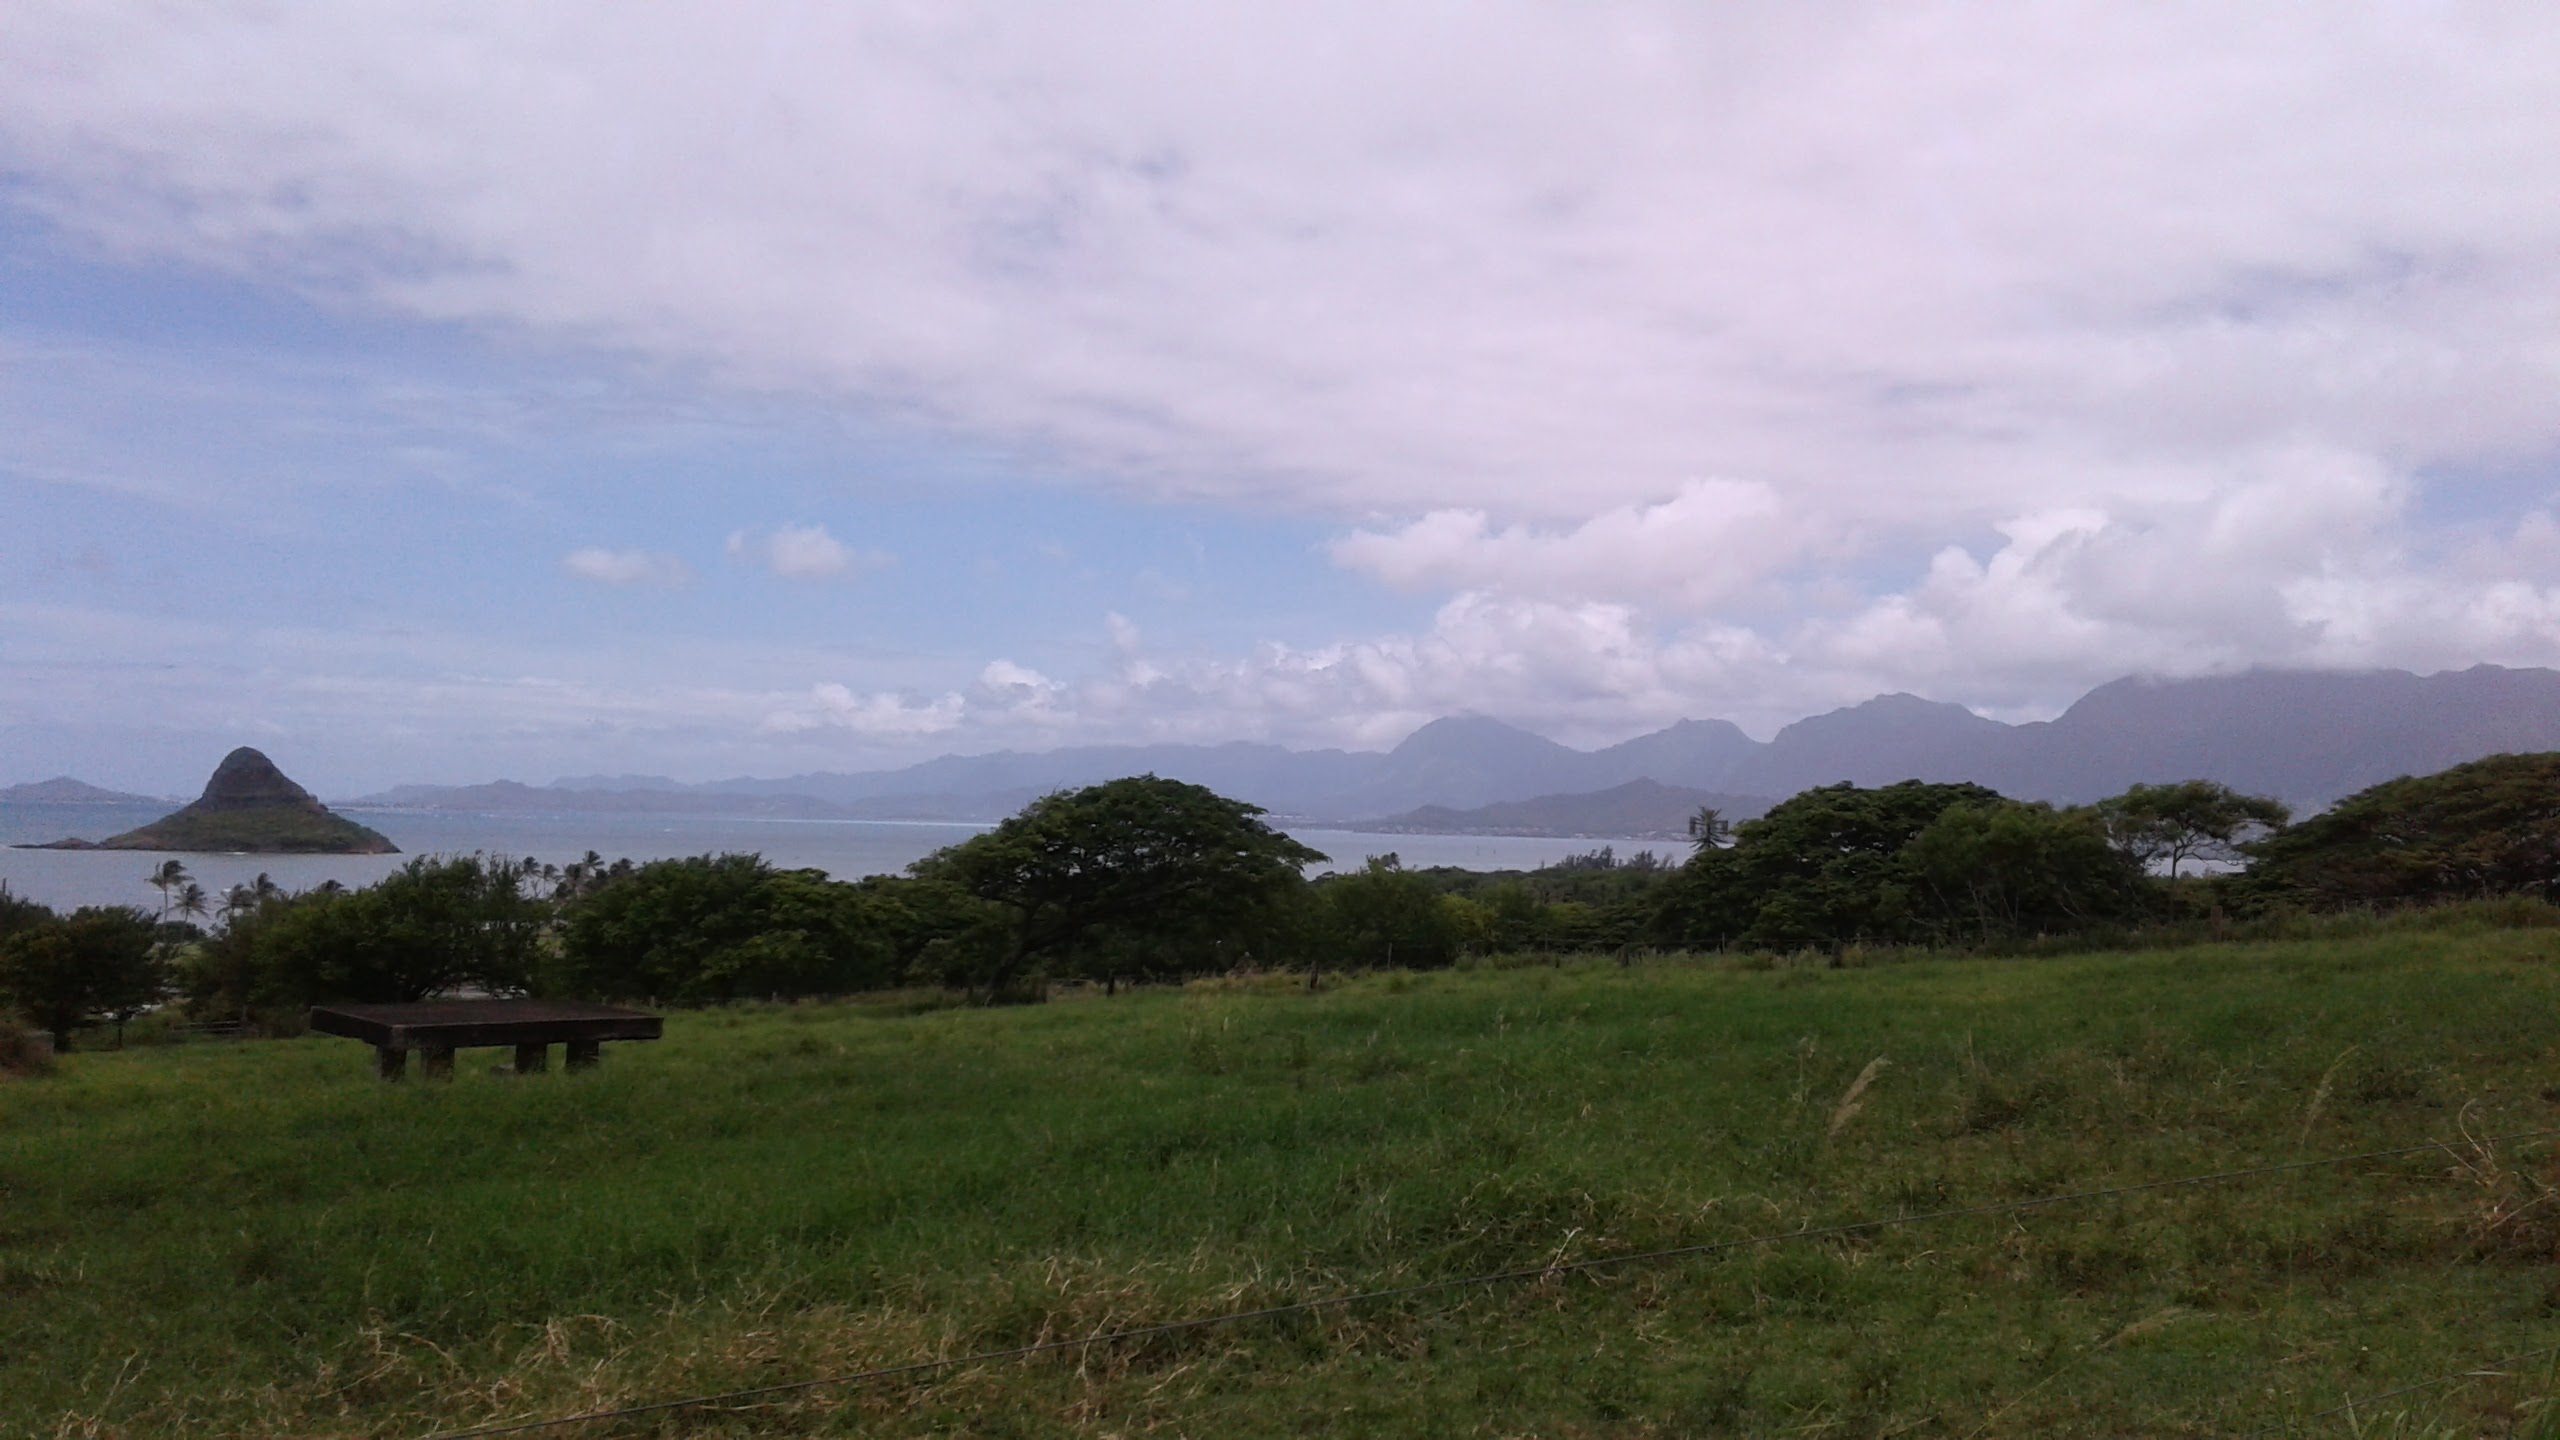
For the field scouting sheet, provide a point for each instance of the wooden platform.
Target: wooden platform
(437, 1028)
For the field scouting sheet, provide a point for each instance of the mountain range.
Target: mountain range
(248, 807)
(1639, 809)
(2306, 737)
(63, 790)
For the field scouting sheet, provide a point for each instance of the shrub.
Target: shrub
(23, 1053)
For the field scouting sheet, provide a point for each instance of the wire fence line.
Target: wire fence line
(1490, 1279)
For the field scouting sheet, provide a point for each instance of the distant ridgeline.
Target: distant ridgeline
(63, 790)
(2304, 737)
(249, 805)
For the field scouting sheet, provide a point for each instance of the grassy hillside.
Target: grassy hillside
(259, 1239)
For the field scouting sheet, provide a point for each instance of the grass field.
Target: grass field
(259, 1239)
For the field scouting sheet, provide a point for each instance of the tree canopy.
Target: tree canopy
(435, 924)
(2190, 820)
(1124, 864)
(1913, 861)
(98, 962)
(2491, 827)
(721, 928)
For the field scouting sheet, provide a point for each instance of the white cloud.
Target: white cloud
(2032, 346)
(1707, 543)
(1902, 264)
(878, 715)
(804, 552)
(626, 567)
(1018, 692)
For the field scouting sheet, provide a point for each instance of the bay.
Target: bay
(845, 849)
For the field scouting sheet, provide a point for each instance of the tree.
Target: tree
(2491, 827)
(1141, 861)
(712, 928)
(1822, 869)
(19, 913)
(433, 925)
(166, 877)
(128, 972)
(2022, 869)
(97, 962)
(2190, 820)
(1708, 829)
(1515, 919)
(1385, 915)
(937, 932)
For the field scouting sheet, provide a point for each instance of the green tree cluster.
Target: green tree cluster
(2488, 828)
(98, 963)
(1846, 864)
(726, 927)
(436, 924)
(1141, 876)
(1147, 878)
(1384, 915)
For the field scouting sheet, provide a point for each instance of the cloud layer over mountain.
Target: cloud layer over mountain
(1666, 359)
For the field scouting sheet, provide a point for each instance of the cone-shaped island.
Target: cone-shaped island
(249, 805)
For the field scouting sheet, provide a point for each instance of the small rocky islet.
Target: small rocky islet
(248, 806)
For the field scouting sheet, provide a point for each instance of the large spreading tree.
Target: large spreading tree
(2488, 828)
(1141, 869)
(2188, 820)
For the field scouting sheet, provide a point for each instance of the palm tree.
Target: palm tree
(579, 876)
(193, 901)
(265, 888)
(236, 902)
(1708, 828)
(166, 876)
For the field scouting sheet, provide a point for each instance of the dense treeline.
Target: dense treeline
(1149, 879)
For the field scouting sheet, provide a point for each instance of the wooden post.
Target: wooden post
(532, 1059)
(390, 1061)
(436, 1062)
(583, 1054)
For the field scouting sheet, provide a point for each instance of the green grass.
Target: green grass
(259, 1239)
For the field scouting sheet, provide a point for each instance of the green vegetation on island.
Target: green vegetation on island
(248, 806)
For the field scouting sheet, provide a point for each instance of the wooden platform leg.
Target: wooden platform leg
(436, 1062)
(390, 1061)
(532, 1059)
(583, 1054)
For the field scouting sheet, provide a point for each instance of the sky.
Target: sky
(433, 393)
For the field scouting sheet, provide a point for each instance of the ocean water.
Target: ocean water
(845, 849)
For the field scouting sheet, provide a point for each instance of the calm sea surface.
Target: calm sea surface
(846, 849)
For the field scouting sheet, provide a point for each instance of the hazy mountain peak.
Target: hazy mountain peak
(1471, 734)
(1899, 714)
(2306, 737)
